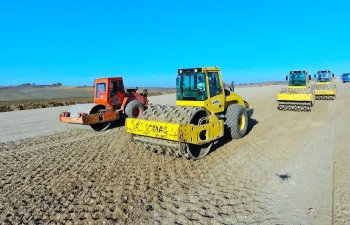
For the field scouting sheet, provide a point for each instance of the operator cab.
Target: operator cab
(109, 91)
(298, 78)
(195, 84)
(203, 87)
(323, 76)
(191, 84)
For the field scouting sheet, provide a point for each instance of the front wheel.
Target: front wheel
(99, 126)
(236, 123)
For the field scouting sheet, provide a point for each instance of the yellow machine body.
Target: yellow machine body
(187, 133)
(190, 133)
(295, 96)
(324, 90)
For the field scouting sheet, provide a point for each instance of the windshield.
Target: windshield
(297, 79)
(323, 77)
(100, 90)
(346, 75)
(191, 87)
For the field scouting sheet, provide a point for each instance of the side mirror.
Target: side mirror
(332, 74)
(286, 78)
(309, 77)
(315, 76)
(232, 86)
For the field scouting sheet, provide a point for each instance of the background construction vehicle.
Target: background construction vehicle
(205, 111)
(298, 96)
(324, 89)
(111, 102)
(345, 77)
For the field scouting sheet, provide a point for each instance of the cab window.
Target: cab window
(100, 89)
(115, 87)
(191, 87)
(214, 84)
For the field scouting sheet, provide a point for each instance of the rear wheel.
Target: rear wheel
(236, 123)
(134, 109)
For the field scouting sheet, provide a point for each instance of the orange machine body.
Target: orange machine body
(111, 93)
(110, 100)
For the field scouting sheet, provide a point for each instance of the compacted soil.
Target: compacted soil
(291, 168)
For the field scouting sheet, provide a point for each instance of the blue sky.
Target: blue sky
(146, 41)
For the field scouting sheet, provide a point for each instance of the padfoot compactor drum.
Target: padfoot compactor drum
(205, 111)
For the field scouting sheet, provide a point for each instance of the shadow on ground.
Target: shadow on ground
(118, 123)
(224, 140)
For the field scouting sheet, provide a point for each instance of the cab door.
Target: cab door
(116, 92)
(216, 100)
(100, 89)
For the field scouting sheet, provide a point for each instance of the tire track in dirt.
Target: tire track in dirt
(43, 161)
(341, 188)
(45, 170)
(223, 171)
(136, 185)
(305, 197)
(80, 177)
(229, 189)
(297, 166)
(260, 152)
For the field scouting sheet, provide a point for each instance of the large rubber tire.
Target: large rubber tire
(236, 122)
(134, 109)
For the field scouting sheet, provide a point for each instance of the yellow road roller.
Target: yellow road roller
(205, 111)
(299, 95)
(324, 88)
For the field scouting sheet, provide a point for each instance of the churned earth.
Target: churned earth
(291, 168)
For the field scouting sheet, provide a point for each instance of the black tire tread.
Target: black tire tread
(232, 115)
(130, 108)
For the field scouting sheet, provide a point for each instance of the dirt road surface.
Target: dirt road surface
(31, 123)
(291, 168)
